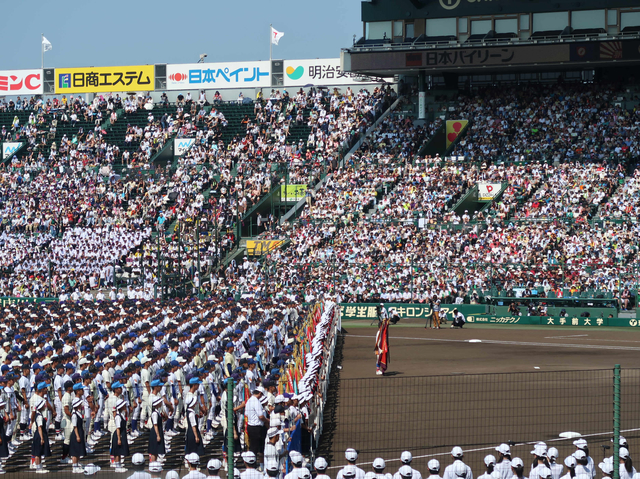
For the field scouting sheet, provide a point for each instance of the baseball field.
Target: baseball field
(478, 387)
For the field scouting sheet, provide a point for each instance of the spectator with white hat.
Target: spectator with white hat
(490, 464)
(503, 462)
(119, 443)
(583, 463)
(137, 460)
(272, 470)
(193, 460)
(556, 469)
(378, 469)
(457, 455)
(517, 467)
(250, 472)
(434, 469)
(405, 459)
(274, 448)
(540, 453)
(627, 471)
(296, 460)
(405, 472)
(320, 465)
(571, 464)
(351, 455)
(606, 466)
(213, 468)
(155, 468)
(581, 445)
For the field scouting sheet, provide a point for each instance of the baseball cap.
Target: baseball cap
(405, 471)
(349, 471)
(137, 459)
(172, 475)
(155, 466)
(433, 465)
(517, 462)
(304, 473)
(489, 459)
(249, 457)
(503, 449)
(321, 463)
(580, 443)
(296, 457)
(192, 458)
(91, 469)
(540, 449)
(406, 457)
(623, 453)
(457, 452)
(351, 454)
(552, 453)
(273, 431)
(459, 468)
(378, 463)
(272, 465)
(606, 467)
(579, 454)
(214, 465)
(570, 461)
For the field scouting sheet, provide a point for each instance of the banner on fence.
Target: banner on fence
(182, 145)
(293, 192)
(488, 191)
(218, 76)
(21, 82)
(405, 310)
(454, 127)
(599, 321)
(323, 72)
(105, 79)
(5, 300)
(260, 247)
(10, 148)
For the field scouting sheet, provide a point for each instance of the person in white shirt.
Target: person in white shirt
(627, 471)
(503, 463)
(606, 466)
(434, 469)
(351, 455)
(583, 463)
(540, 453)
(250, 472)
(296, 460)
(320, 465)
(458, 319)
(138, 466)
(378, 469)
(490, 464)
(571, 464)
(517, 467)
(256, 417)
(405, 459)
(457, 455)
(193, 460)
(581, 445)
(556, 469)
(213, 468)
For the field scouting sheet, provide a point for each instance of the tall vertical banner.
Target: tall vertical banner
(454, 127)
(422, 105)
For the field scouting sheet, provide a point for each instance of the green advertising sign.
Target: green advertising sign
(553, 320)
(293, 192)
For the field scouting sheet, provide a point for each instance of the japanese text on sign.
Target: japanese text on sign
(21, 82)
(218, 75)
(477, 56)
(104, 79)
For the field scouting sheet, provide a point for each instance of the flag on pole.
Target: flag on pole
(276, 36)
(46, 44)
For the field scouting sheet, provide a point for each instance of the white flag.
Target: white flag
(46, 44)
(276, 36)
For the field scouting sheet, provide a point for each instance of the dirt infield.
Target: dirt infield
(518, 383)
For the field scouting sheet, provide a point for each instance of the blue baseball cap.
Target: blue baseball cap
(77, 387)
(42, 385)
(195, 381)
(115, 385)
(156, 382)
(230, 344)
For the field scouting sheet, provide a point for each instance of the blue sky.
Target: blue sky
(119, 32)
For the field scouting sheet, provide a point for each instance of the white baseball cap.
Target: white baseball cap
(489, 459)
(272, 465)
(155, 466)
(192, 458)
(552, 453)
(296, 457)
(503, 449)
(304, 473)
(351, 454)
(606, 467)
(623, 453)
(570, 461)
(321, 463)
(214, 464)
(579, 454)
(273, 431)
(172, 475)
(91, 469)
(457, 452)
(349, 471)
(540, 449)
(378, 463)
(517, 462)
(433, 465)
(249, 457)
(137, 459)
(580, 443)
(406, 457)
(405, 471)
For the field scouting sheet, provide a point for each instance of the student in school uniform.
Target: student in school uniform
(540, 460)
(77, 445)
(193, 443)
(503, 462)
(490, 464)
(434, 469)
(457, 455)
(119, 443)
(156, 433)
(517, 468)
(405, 459)
(556, 469)
(627, 471)
(40, 446)
(581, 444)
(4, 440)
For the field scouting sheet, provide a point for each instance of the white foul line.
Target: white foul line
(515, 343)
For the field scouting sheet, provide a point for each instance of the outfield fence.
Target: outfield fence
(429, 415)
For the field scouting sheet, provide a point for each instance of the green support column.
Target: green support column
(616, 421)
(230, 428)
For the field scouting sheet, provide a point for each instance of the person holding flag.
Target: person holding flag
(382, 346)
